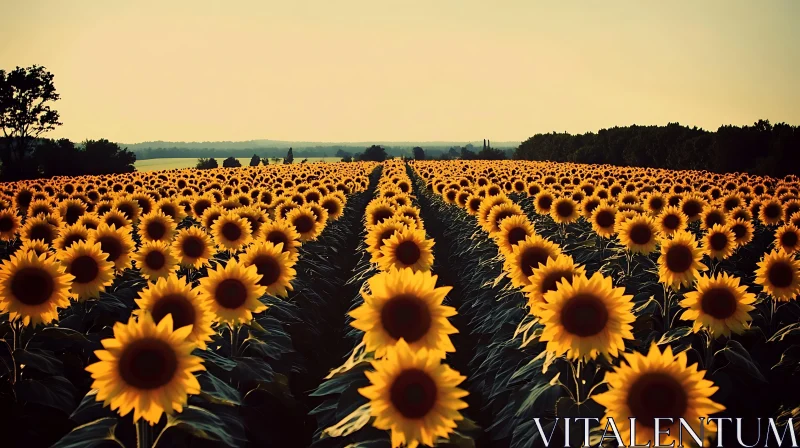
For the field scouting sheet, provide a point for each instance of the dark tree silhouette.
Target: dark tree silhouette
(347, 159)
(419, 153)
(265, 160)
(374, 153)
(289, 157)
(466, 154)
(304, 161)
(207, 164)
(490, 154)
(255, 160)
(105, 157)
(231, 162)
(25, 114)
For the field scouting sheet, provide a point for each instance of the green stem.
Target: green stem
(144, 434)
(234, 340)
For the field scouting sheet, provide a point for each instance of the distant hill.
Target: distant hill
(278, 148)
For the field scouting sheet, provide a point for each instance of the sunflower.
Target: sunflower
(742, 232)
(304, 221)
(129, 207)
(171, 208)
(658, 385)
(771, 212)
(71, 210)
(231, 232)
(146, 368)
(512, 230)
(527, 256)
(719, 304)
(282, 232)
(779, 274)
(233, 292)
(333, 205)
(273, 265)
(115, 218)
(486, 208)
(174, 296)
(787, 238)
(712, 216)
(638, 234)
(36, 246)
(69, 235)
(403, 304)
(415, 396)
(155, 260)
(564, 210)
(545, 278)
(377, 211)
(585, 317)
(9, 224)
(378, 234)
(193, 247)
(116, 243)
(543, 201)
(604, 219)
(719, 242)
(692, 206)
(679, 263)
(407, 248)
(210, 216)
(156, 226)
(255, 217)
(90, 221)
(39, 228)
(33, 287)
(87, 263)
(500, 212)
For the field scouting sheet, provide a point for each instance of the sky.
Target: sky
(414, 70)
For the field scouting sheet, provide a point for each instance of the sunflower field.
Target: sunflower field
(395, 304)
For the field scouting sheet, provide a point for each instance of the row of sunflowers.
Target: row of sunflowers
(603, 287)
(307, 305)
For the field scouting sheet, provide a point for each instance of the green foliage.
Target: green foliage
(206, 164)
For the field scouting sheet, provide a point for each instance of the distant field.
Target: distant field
(190, 162)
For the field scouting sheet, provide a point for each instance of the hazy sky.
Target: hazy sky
(457, 70)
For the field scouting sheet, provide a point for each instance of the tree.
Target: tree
(490, 154)
(419, 153)
(347, 159)
(374, 153)
(289, 157)
(454, 152)
(344, 154)
(466, 154)
(105, 157)
(25, 114)
(304, 160)
(207, 164)
(231, 162)
(255, 160)
(276, 160)
(265, 160)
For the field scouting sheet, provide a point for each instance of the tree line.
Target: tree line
(763, 148)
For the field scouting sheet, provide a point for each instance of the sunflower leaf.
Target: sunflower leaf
(788, 330)
(95, 433)
(217, 391)
(738, 357)
(42, 360)
(674, 334)
(55, 392)
(208, 425)
(350, 424)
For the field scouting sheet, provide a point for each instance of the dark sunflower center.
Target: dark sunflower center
(719, 303)
(304, 223)
(718, 241)
(780, 274)
(584, 315)
(111, 246)
(72, 239)
(406, 317)
(531, 258)
(564, 209)
(671, 222)
(268, 268)
(193, 247)
(42, 231)
(277, 237)
(549, 283)
(230, 293)
(604, 219)
(641, 234)
(127, 209)
(155, 260)
(516, 235)
(115, 221)
(789, 239)
(474, 204)
(545, 202)
(713, 218)
(739, 230)
(407, 252)
(502, 215)
(73, 214)
(6, 224)
(380, 215)
(384, 236)
(692, 208)
(32, 286)
(656, 395)
(178, 306)
(84, 268)
(156, 230)
(331, 206)
(148, 364)
(413, 393)
(679, 258)
(656, 204)
(231, 231)
(773, 211)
